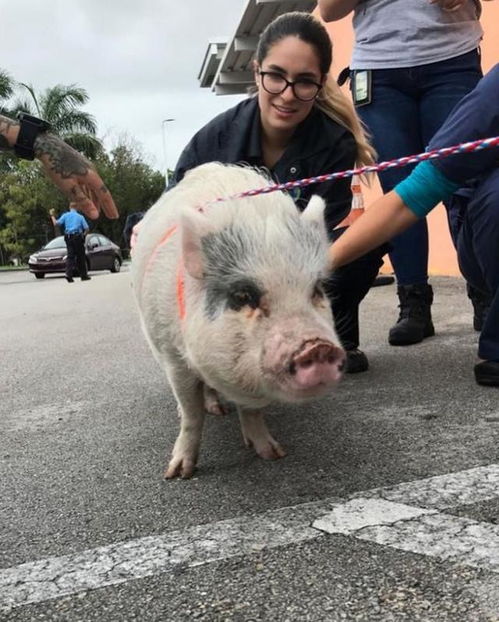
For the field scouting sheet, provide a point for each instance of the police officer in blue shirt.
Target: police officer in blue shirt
(75, 228)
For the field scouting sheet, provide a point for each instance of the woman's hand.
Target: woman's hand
(387, 217)
(74, 176)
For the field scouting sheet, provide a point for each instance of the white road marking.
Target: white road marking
(404, 517)
(353, 516)
(445, 491)
(427, 532)
(135, 559)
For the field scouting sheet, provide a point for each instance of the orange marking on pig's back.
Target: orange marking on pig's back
(180, 287)
(181, 290)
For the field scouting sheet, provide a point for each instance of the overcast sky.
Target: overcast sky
(137, 59)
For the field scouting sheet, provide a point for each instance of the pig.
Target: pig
(231, 302)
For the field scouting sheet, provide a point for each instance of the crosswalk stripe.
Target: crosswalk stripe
(445, 491)
(406, 516)
(136, 559)
(406, 528)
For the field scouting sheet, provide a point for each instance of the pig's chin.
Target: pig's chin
(245, 390)
(289, 387)
(294, 391)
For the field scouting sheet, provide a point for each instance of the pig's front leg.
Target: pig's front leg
(188, 390)
(257, 435)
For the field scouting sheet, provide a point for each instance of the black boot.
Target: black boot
(487, 373)
(356, 361)
(481, 303)
(414, 323)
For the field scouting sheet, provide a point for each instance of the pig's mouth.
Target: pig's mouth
(314, 367)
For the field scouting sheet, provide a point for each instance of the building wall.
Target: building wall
(442, 258)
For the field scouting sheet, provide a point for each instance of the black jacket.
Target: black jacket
(319, 145)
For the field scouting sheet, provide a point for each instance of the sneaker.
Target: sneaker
(356, 361)
(487, 373)
(69, 279)
(86, 278)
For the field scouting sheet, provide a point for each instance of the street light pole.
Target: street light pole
(163, 125)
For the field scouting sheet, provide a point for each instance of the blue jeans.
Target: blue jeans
(407, 107)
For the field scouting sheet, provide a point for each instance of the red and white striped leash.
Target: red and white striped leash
(476, 145)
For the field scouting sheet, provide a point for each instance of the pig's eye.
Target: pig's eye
(247, 295)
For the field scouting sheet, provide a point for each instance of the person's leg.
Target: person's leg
(478, 251)
(480, 298)
(346, 288)
(80, 258)
(392, 118)
(443, 85)
(70, 258)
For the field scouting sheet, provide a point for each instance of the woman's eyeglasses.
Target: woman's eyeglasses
(274, 83)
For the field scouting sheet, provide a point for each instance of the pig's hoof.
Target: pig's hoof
(268, 448)
(181, 466)
(212, 403)
(216, 409)
(257, 435)
(271, 451)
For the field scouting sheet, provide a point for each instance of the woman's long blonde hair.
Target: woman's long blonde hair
(331, 99)
(333, 102)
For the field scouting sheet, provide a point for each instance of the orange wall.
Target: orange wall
(442, 258)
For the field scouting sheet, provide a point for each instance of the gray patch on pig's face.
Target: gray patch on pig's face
(227, 285)
(234, 256)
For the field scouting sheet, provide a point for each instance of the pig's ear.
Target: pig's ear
(314, 212)
(194, 227)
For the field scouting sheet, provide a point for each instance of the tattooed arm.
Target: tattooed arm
(67, 168)
(75, 176)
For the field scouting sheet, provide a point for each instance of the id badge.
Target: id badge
(362, 87)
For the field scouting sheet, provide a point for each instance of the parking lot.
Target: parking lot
(385, 508)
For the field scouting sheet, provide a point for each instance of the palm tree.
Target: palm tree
(6, 89)
(59, 105)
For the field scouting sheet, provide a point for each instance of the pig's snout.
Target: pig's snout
(316, 364)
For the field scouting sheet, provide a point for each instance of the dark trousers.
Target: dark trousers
(408, 106)
(75, 243)
(347, 286)
(478, 253)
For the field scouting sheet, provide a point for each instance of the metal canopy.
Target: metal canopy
(227, 65)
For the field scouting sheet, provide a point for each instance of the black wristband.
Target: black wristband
(29, 129)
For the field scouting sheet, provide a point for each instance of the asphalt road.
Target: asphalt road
(90, 531)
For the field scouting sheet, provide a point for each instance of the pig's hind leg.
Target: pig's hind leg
(188, 390)
(257, 435)
(212, 402)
